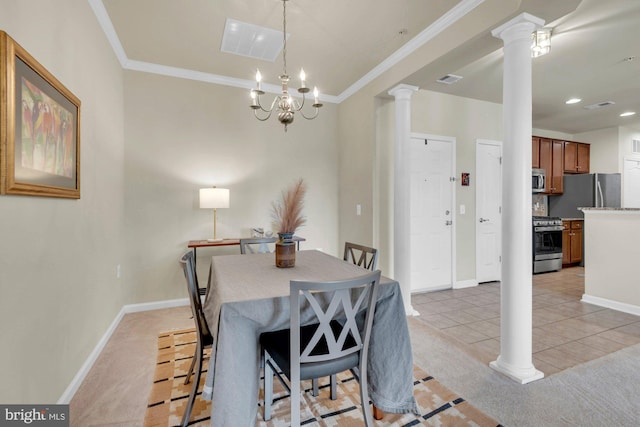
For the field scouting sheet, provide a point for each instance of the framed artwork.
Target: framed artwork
(39, 128)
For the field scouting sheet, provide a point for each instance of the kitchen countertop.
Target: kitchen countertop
(620, 210)
(572, 219)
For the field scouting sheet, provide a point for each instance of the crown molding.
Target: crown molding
(109, 31)
(442, 23)
(438, 26)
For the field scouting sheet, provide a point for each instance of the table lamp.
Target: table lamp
(214, 198)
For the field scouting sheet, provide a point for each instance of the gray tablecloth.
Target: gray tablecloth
(248, 295)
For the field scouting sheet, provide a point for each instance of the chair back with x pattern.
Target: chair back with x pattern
(257, 245)
(361, 255)
(340, 305)
(327, 335)
(339, 334)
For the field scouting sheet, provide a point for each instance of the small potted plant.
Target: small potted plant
(287, 218)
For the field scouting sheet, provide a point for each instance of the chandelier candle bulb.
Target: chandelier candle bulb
(302, 78)
(258, 78)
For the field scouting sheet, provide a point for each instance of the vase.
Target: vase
(285, 251)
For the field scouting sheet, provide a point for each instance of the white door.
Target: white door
(488, 210)
(431, 168)
(631, 194)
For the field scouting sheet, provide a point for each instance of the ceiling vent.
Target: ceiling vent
(251, 40)
(599, 105)
(449, 79)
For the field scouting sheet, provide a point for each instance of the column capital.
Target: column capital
(403, 91)
(519, 27)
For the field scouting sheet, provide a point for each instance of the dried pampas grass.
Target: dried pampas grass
(287, 214)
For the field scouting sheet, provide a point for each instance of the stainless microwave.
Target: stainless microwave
(538, 179)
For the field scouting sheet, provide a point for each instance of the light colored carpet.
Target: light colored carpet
(439, 405)
(602, 392)
(599, 393)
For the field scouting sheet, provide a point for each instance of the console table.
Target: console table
(195, 244)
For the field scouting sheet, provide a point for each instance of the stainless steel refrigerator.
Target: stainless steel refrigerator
(586, 190)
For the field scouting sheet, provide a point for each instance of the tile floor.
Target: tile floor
(566, 332)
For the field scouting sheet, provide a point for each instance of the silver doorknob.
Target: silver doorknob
(483, 220)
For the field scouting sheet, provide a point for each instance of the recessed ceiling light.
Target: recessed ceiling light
(573, 101)
(628, 113)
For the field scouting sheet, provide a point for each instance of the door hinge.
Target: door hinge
(500, 258)
(426, 141)
(499, 209)
(452, 179)
(500, 158)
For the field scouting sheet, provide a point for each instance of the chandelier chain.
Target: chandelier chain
(284, 35)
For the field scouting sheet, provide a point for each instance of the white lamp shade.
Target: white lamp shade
(213, 198)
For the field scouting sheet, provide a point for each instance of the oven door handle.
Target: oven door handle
(549, 228)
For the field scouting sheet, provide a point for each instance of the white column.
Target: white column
(401, 194)
(515, 359)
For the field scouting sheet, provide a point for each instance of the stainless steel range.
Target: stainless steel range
(547, 244)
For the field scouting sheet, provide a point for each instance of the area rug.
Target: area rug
(439, 405)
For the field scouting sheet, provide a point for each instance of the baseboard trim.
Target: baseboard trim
(93, 356)
(465, 284)
(614, 305)
(156, 305)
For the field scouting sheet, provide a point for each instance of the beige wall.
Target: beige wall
(627, 134)
(604, 151)
(361, 135)
(58, 257)
(184, 135)
(433, 113)
(148, 144)
(467, 120)
(552, 134)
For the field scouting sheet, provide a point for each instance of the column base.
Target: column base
(410, 311)
(522, 376)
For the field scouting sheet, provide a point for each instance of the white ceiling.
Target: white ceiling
(342, 43)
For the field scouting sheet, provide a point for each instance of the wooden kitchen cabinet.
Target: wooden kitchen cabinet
(535, 152)
(551, 154)
(571, 242)
(576, 157)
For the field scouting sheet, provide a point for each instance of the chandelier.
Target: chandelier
(285, 105)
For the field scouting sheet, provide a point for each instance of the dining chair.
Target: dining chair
(357, 254)
(363, 256)
(257, 245)
(336, 339)
(203, 334)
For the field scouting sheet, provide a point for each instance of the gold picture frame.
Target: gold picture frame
(39, 128)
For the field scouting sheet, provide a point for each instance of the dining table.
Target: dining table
(248, 295)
